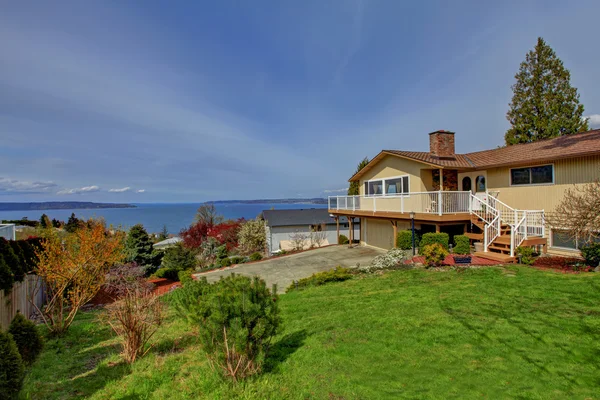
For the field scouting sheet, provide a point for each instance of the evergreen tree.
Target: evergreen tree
(164, 233)
(45, 221)
(353, 190)
(544, 104)
(72, 224)
(138, 247)
(11, 259)
(27, 337)
(12, 370)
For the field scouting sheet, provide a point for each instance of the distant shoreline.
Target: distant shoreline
(61, 205)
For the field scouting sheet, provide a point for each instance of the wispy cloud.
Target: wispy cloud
(14, 186)
(594, 121)
(121, 190)
(140, 191)
(335, 190)
(85, 189)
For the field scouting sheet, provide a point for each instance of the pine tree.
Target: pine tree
(544, 104)
(12, 370)
(45, 221)
(72, 224)
(139, 247)
(353, 190)
(164, 233)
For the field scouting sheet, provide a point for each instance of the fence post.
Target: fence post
(485, 238)
(354, 203)
(440, 202)
(525, 223)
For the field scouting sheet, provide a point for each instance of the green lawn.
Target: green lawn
(488, 333)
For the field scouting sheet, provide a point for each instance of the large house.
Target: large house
(283, 225)
(498, 197)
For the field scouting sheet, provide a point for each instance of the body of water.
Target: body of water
(154, 216)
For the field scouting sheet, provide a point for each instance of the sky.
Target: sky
(190, 101)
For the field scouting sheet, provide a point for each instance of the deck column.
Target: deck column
(351, 227)
(337, 226)
(437, 228)
(395, 227)
(441, 179)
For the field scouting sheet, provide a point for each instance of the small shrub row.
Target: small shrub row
(337, 274)
(440, 238)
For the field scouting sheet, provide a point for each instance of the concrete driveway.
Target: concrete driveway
(286, 269)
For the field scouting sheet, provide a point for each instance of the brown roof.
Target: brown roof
(570, 146)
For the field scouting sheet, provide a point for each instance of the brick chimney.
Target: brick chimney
(441, 143)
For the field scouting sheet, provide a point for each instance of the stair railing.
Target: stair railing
(489, 215)
(491, 232)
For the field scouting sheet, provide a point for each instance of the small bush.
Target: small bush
(337, 274)
(179, 257)
(462, 245)
(435, 254)
(392, 259)
(527, 255)
(185, 276)
(221, 252)
(591, 254)
(431, 238)
(343, 239)
(12, 370)
(238, 260)
(137, 313)
(168, 273)
(404, 240)
(226, 262)
(27, 337)
(237, 317)
(256, 256)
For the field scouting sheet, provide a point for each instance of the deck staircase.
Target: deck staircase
(502, 228)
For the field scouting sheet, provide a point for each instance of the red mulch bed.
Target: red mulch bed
(161, 286)
(449, 260)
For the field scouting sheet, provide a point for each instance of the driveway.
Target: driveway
(286, 269)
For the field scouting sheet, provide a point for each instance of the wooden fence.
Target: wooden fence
(19, 299)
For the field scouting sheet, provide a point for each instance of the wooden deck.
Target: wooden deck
(419, 217)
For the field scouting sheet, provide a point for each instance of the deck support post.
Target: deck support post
(437, 228)
(351, 227)
(337, 226)
(395, 227)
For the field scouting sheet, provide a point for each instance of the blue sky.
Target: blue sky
(192, 101)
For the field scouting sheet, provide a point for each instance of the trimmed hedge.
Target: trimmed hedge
(404, 240)
(432, 238)
(462, 245)
(27, 337)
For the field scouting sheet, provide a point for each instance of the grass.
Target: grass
(511, 332)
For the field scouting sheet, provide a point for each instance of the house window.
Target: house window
(387, 187)
(480, 184)
(563, 239)
(542, 174)
(316, 228)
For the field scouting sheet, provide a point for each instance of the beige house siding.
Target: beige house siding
(391, 166)
(379, 233)
(544, 197)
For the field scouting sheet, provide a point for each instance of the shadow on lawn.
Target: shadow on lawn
(284, 348)
(175, 345)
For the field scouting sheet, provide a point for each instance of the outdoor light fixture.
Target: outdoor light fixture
(412, 217)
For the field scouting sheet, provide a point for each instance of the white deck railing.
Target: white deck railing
(439, 202)
(7, 231)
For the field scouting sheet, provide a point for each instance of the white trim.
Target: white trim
(383, 180)
(532, 184)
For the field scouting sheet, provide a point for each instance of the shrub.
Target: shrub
(404, 240)
(337, 274)
(431, 238)
(527, 255)
(256, 256)
(238, 260)
(27, 337)
(168, 273)
(343, 239)
(392, 259)
(185, 276)
(226, 262)
(221, 252)
(237, 317)
(462, 245)
(137, 313)
(434, 254)
(179, 257)
(12, 370)
(591, 253)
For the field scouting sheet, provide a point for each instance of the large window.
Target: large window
(562, 239)
(387, 187)
(542, 174)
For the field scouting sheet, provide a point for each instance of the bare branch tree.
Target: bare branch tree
(578, 212)
(318, 235)
(299, 240)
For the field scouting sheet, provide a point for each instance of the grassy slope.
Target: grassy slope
(490, 333)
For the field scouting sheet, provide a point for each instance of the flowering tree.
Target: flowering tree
(73, 268)
(226, 233)
(195, 235)
(252, 236)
